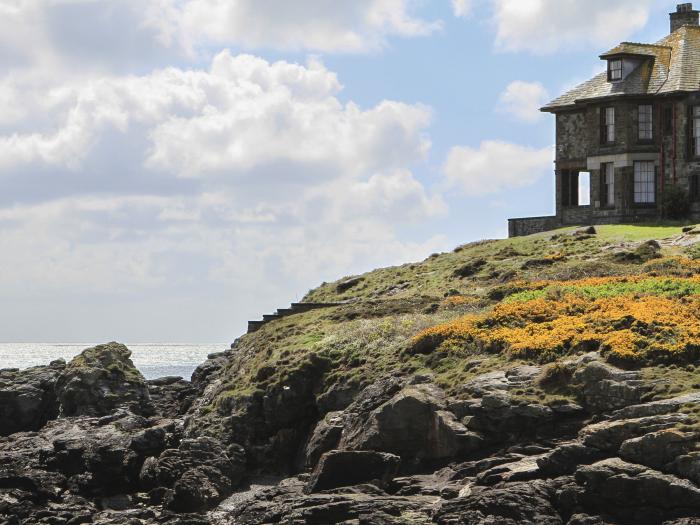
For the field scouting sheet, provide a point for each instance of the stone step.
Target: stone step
(296, 308)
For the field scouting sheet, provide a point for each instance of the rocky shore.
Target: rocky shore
(92, 442)
(348, 416)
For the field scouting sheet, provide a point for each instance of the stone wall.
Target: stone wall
(531, 225)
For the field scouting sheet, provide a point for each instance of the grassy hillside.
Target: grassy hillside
(630, 292)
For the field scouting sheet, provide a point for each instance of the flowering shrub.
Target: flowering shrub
(623, 327)
(460, 300)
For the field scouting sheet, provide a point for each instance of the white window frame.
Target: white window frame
(615, 70)
(610, 125)
(645, 182)
(609, 183)
(646, 122)
(696, 131)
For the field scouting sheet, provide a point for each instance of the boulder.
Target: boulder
(345, 468)
(655, 408)
(100, 380)
(198, 490)
(523, 469)
(567, 457)
(635, 492)
(325, 437)
(412, 424)
(28, 397)
(184, 468)
(687, 466)
(658, 449)
(508, 504)
(609, 435)
(603, 388)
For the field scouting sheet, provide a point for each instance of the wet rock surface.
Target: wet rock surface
(92, 442)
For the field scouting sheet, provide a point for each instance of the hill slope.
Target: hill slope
(551, 379)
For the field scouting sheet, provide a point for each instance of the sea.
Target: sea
(153, 360)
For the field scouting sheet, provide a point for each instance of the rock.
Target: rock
(524, 469)
(603, 388)
(205, 372)
(184, 468)
(658, 449)
(198, 489)
(412, 424)
(487, 384)
(585, 519)
(470, 269)
(501, 419)
(324, 438)
(345, 468)
(634, 492)
(347, 284)
(687, 466)
(352, 506)
(171, 396)
(28, 397)
(337, 398)
(566, 458)
(509, 504)
(590, 230)
(609, 435)
(655, 408)
(100, 380)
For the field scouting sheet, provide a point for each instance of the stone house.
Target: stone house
(629, 133)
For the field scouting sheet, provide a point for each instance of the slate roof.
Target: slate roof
(671, 65)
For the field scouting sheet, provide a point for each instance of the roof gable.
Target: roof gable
(671, 65)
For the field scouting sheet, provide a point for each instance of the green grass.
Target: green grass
(624, 232)
(653, 286)
(370, 337)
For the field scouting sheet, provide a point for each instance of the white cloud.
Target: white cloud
(523, 100)
(241, 115)
(320, 25)
(462, 8)
(128, 35)
(249, 180)
(547, 26)
(496, 167)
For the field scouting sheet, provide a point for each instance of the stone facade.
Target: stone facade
(651, 145)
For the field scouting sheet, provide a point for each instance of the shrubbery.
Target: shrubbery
(675, 202)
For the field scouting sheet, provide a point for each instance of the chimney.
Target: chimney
(685, 15)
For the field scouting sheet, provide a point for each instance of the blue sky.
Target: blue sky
(170, 169)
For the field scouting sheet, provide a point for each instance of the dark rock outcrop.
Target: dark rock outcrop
(100, 380)
(93, 442)
(413, 424)
(28, 397)
(196, 475)
(345, 468)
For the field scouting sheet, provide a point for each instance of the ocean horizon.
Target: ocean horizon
(153, 360)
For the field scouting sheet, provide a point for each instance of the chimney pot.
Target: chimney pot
(685, 15)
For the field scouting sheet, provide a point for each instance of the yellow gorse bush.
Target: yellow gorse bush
(623, 327)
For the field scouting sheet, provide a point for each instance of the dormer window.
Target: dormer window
(614, 70)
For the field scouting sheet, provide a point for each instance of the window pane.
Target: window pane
(609, 184)
(610, 115)
(645, 122)
(615, 69)
(644, 182)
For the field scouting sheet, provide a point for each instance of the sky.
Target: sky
(170, 169)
